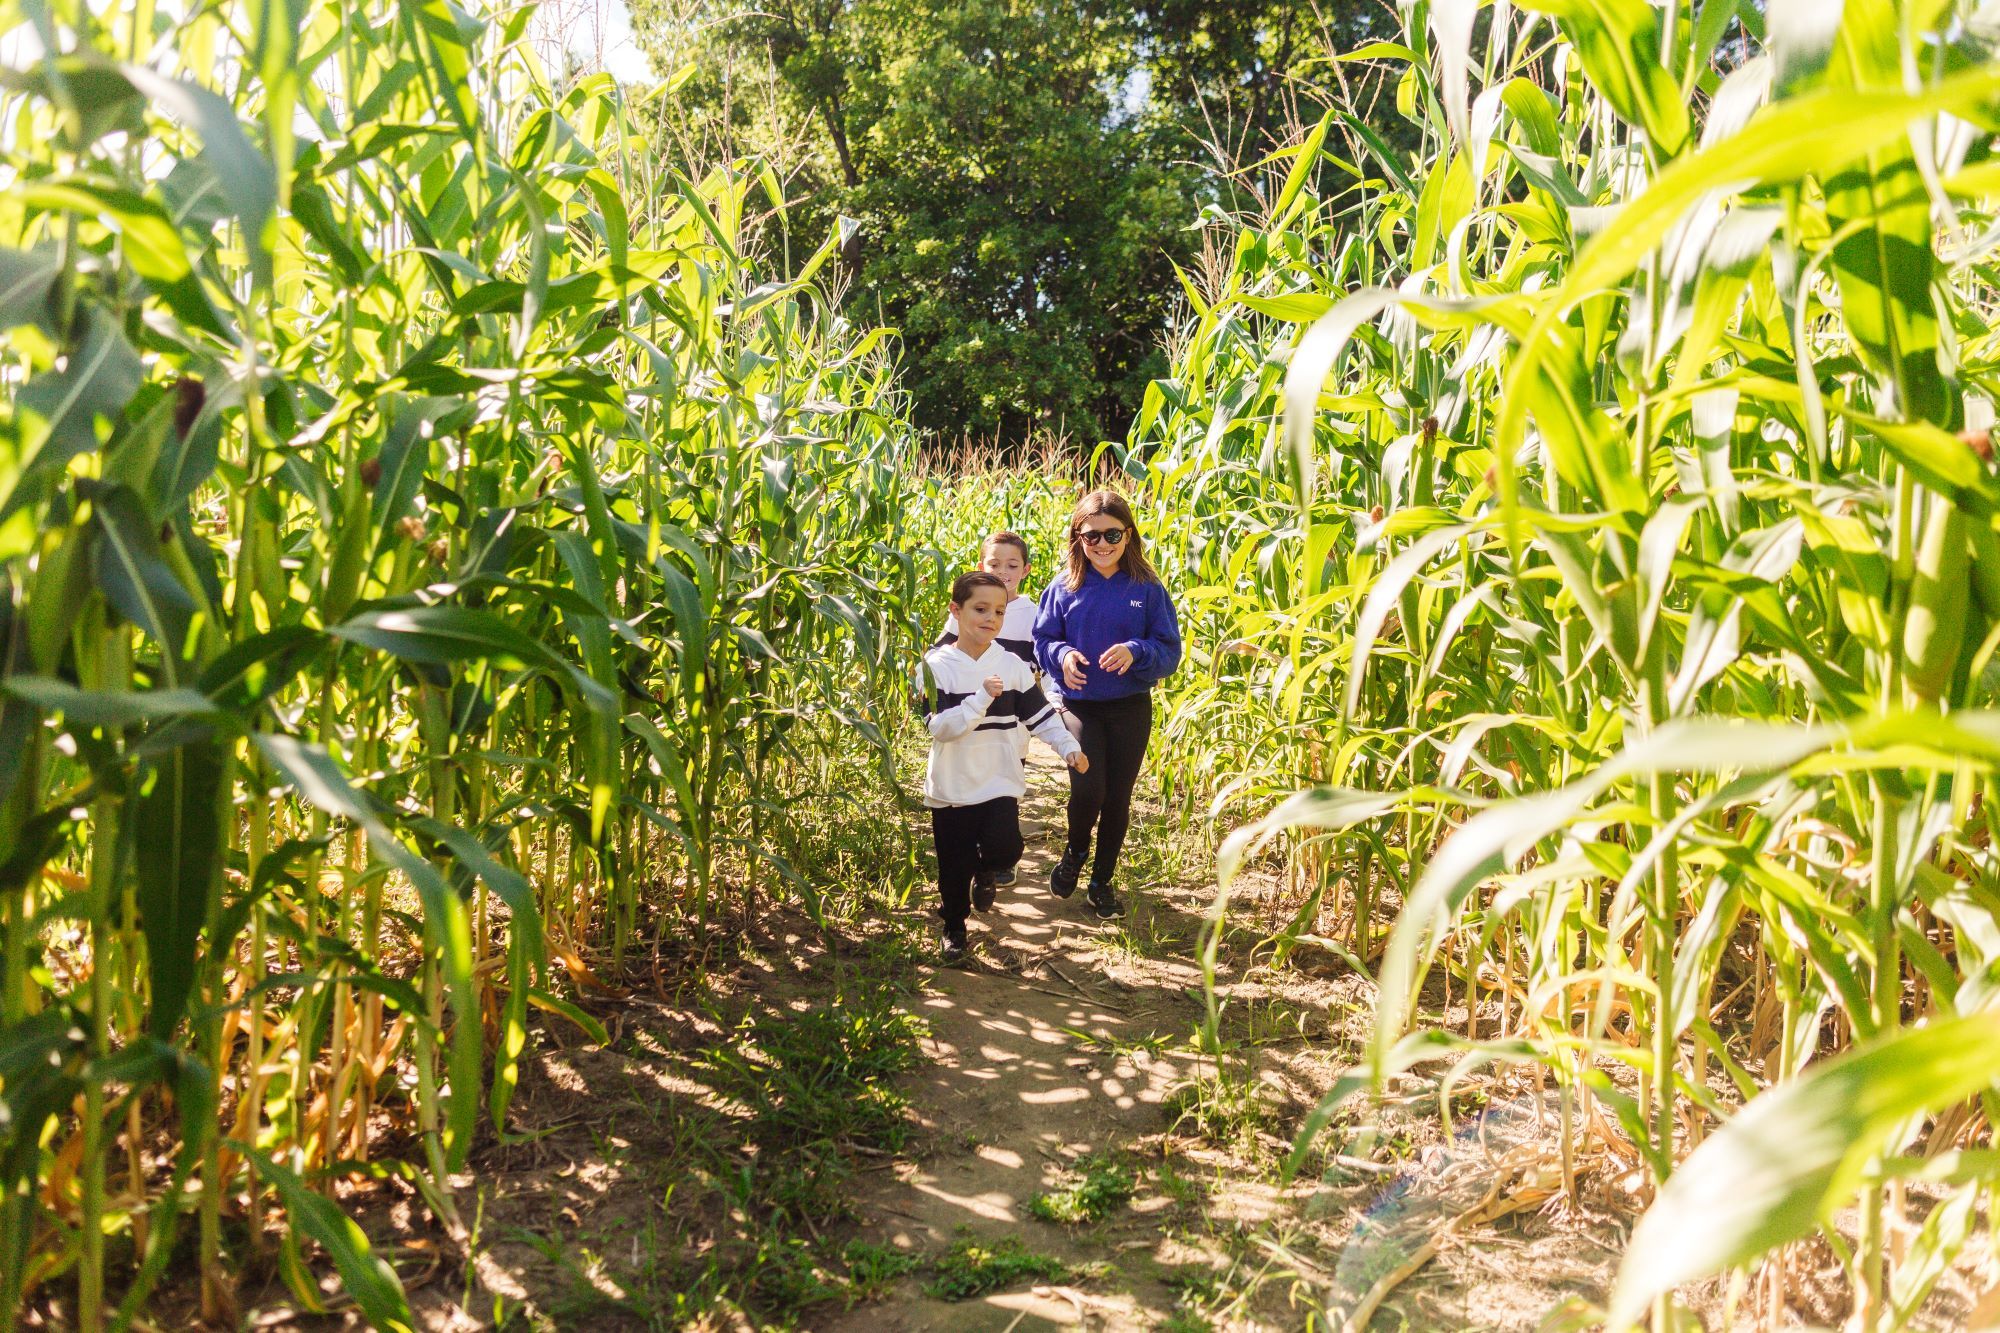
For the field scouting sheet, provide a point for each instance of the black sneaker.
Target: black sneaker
(1063, 875)
(952, 945)
(1102, 900)
(982, 890)
(1005, 878)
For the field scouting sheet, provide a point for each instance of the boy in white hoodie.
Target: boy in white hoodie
(1005, 556)
(980, 697)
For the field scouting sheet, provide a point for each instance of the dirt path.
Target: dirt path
(1047, 1050)
(671, 1177)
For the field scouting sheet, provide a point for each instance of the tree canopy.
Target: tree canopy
(1025, 174)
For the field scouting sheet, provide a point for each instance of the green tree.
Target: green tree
(1025, 172)
(1013, 227)
(1227, 71)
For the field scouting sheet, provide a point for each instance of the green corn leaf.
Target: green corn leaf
(1292, 307)
(95, 98)
(1501, 834)
(1819, 132)
(527, 959)
(442, 635)
(1448, 197)
(511, 886)
(673, 765)
(277, 25)
(248, 180)
(684, 600)
(177, 841)
(39, 1059)
(1619, 44)
(442, 34)
(312, 207)
(555, 1004)
(136, 579)
(57, 413)
(26, 278)
(254, 669)
(1738, 245)
(1318, 352)
(274, 869)
(1711, 23)
(107, 708)
(1781, 1165)
(404, 458)
(1532, 111)
(1882, 210)
(373, 1284)
(611, 208)
(188, 458)
(1382, 598)
(1302, 166)
(147, 237)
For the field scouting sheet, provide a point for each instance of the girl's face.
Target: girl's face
(1005, 562)
(1103, 538)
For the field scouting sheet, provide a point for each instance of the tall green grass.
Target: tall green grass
(439, 546)
(1585, 530)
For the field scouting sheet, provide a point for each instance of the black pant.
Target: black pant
(969, 839)
(1115, 732)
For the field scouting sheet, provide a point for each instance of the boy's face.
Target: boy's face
(1005, 562)
(981, 615)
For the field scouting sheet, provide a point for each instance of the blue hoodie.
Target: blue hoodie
(1102, 613)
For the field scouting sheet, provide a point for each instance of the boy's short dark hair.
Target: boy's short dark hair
(1013, 539)
(966, 584)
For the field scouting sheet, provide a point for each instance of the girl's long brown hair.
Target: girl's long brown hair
(1131, 555)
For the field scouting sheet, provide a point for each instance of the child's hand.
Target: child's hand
(994, 685)
(1073, 665)
(1080, 762)
(1116, 658)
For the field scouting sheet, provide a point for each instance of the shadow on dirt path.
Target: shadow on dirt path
(1044, 1057)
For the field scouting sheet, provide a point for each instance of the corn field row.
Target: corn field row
(450, 550)
(439, 536)
(1589, 528)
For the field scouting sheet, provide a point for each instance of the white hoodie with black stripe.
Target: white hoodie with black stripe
(975, 737)
(1017, 636)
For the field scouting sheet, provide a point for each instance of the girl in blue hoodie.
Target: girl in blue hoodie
(1107, 631)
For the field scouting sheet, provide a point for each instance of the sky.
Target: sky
(599, 30)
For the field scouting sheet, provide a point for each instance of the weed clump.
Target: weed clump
(1097, 1188)
(872, 1269)
(816, 1084)
(972, 1268)
(1224, 1110)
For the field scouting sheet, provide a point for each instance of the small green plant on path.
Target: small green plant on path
(872, 1269)
(1199, 1289)
(1168, 1180)
(971, 1268)
(818, 1081)
(1153, 1043)
(1224, 1108)
(1098, 1187)
(1186, 1321)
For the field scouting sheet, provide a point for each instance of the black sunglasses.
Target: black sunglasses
(1110, 536)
